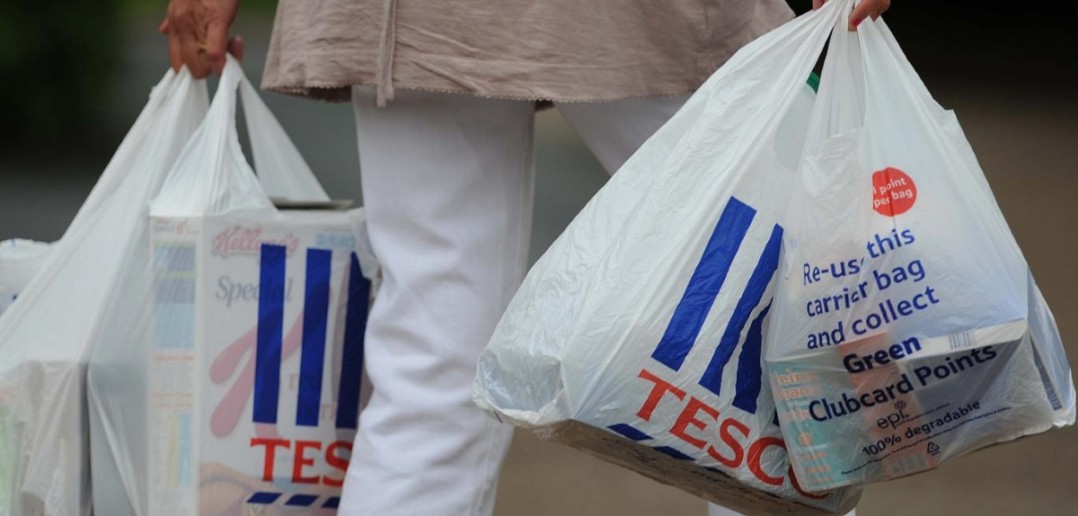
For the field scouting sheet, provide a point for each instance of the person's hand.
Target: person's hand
(862, 10)
(197, 33)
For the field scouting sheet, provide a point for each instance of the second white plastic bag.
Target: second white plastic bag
(907, 329)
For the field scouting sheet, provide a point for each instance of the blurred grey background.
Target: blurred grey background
(74, 74)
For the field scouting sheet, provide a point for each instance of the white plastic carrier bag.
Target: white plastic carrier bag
(638, 335)
(906, 329)
(250, 365)
(20, 260)
(64, 312)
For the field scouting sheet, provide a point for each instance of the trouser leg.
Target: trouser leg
(447, 187)
(614, 130)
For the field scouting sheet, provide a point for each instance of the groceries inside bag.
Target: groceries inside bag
(638, 336)
(906, 329)
(240, 391)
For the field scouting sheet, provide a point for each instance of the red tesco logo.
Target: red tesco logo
(304, 455)
(732, 433)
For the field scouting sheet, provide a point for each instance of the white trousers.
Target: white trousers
(447, 187)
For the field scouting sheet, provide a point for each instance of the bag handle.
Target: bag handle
(777, 65)
(280, 167)
(172, 86)
(839, 107)
(212, 176)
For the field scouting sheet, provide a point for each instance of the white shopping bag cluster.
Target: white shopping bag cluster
(209, 356)
(771, 333)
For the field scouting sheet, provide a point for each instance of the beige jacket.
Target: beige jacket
(562, 50)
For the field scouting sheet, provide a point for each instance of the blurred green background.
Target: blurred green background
(60, 59)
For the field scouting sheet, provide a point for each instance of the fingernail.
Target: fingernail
(858, 22)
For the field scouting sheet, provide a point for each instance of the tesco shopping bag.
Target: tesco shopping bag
(71, 305)
(638, 335)
(253, 359)
(19, 261)
(907, 329)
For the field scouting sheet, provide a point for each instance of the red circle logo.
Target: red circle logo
(893, 192)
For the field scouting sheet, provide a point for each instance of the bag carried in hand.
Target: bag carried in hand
(243, 381)
(638, 335)
(907, 329)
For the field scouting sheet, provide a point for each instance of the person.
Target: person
(444, 95)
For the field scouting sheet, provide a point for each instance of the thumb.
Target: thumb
(866, 8)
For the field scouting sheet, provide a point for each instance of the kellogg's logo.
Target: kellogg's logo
(248, 241)
(180, 227)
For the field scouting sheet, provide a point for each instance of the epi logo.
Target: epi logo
(894, 419)
(268, 350)
(704, 287)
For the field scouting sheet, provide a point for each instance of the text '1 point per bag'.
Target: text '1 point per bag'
(638, 335)
(907, 329)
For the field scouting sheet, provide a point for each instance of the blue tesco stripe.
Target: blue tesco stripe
(750, 298)
(332, 503)
(302, 500)
(629, 431)
(355, 326)
(749, 369)
(270, 330)
(705, 284)
(313, 352)
(263, 498)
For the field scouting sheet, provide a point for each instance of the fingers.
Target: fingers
(175, 55)
(213, 54)
(236, 47)
(198, 35)
(191, 50)
(183, 40)
(866, 8)
(862, 10)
